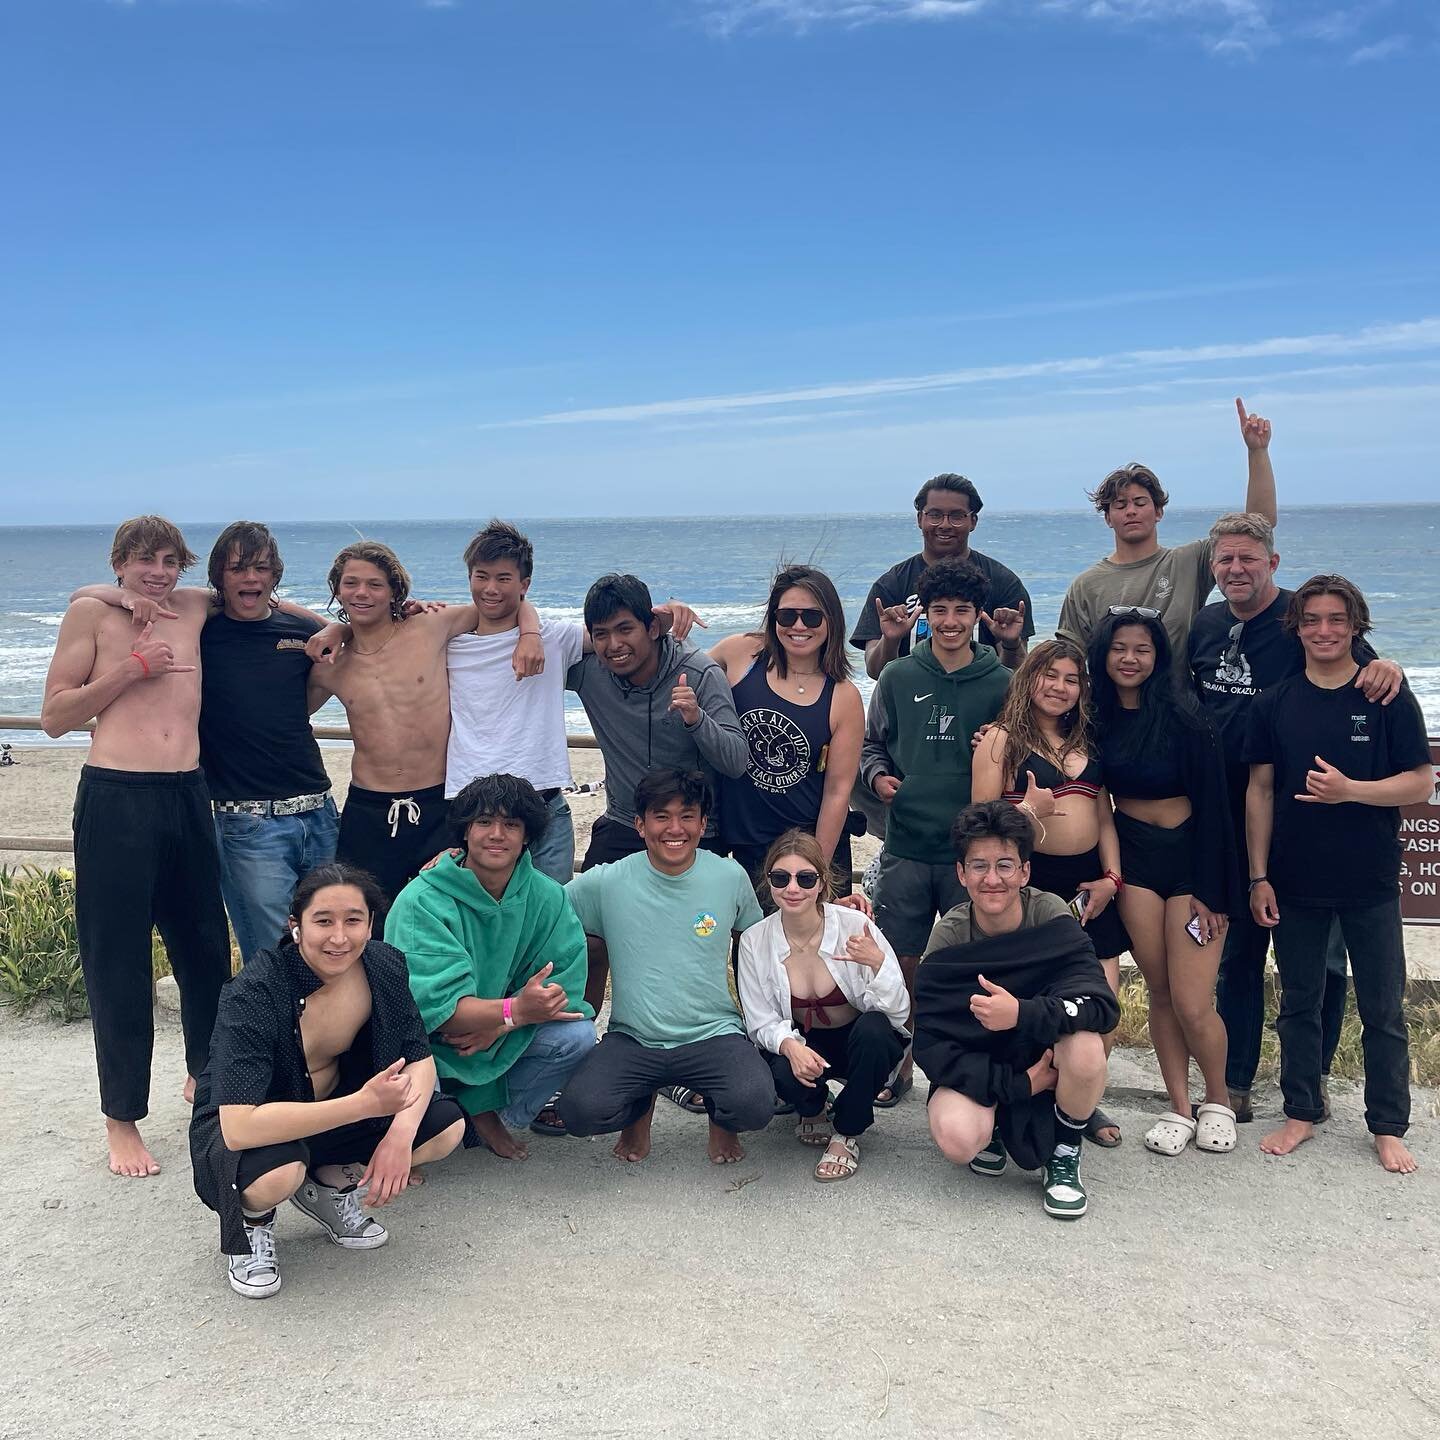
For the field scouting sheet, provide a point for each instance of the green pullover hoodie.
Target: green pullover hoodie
(458, 941)
(918, 729)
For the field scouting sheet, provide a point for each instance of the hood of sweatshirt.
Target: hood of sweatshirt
(450, 878)
(985, 662)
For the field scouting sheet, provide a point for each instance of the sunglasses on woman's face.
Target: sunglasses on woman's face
(805, 879)
(811, 619)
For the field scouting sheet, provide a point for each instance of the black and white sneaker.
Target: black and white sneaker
(339, 1213)
(256, 1274)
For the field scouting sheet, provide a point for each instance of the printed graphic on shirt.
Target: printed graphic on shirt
(289, 644)
(922, 625)
(704, 925)
(779, 751)
(1360, 729)
(937, 727)
(1233, 673)
(1162, 589)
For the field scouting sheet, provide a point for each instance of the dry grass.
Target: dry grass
(1422, 1008)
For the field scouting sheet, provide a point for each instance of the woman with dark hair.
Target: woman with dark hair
(320, 1088)
(1165, 772)
(1041, 756)
(803, 721)
(823, 995)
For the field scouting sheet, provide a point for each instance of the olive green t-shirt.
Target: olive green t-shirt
(954, 927)
(1174, 581)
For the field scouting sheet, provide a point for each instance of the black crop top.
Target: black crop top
(1187, 762)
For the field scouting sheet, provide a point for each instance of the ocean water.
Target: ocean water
(722, 565)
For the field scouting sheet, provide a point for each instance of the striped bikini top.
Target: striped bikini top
(1086, 783)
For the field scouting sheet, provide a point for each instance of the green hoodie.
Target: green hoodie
(918, 728)
(458, 941)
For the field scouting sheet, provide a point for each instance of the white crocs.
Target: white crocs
(1170, 1134)
(1215, 1128)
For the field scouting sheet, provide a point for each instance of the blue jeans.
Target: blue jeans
(262, 858)
(558, 1047)
(553, 854)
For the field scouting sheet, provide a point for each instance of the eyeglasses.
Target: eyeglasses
(805, 879)
(1143, 611)
(945, 517)
(810, 619)
(1005, 869)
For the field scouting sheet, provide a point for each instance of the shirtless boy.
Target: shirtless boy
(391, 678)
(144, 840)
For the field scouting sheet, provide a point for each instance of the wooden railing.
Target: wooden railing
(63, 844)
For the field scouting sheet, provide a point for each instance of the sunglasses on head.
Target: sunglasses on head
(1143, 611)
(809, 618)
(805, 879)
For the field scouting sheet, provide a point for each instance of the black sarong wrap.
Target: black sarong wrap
(1052, 970)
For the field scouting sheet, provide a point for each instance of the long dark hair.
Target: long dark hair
(835, 658)
(1164, 703)
(337, 872)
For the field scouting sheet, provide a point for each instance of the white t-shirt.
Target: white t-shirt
(499, 725)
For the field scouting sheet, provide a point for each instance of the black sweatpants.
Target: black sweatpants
(862, 1053)
(392, 836)
(1375, 940)
(615, 1084)
(145, 858)
(345, 1145)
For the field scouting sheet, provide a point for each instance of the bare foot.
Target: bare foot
(128, 1155)
(417, 1179)
(1291, 1135)
(1394, 1156)
(187, 1094)
(723, 1146)
(494, 1136)
(634, 1142)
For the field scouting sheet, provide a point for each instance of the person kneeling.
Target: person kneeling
(1010, 1004)
(495, 953)
(292, 1108)
(828, 971)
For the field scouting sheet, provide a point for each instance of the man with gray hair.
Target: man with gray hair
(1238, 647)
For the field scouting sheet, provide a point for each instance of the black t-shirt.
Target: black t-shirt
(897, 586)
(255, 737)
(1334, 854)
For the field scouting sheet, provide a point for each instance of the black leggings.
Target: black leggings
(145, 856)
(345, 1145)
(862, 1053)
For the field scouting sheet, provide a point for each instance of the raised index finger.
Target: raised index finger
(1240, 408)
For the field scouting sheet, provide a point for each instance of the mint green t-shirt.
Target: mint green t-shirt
(669, 943)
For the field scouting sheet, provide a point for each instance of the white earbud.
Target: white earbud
(295, 932)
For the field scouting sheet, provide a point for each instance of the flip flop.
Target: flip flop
(899, 1088)
(684, 1097)
(539, 1127)
(1099, 1121)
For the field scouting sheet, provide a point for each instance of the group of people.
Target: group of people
(427, 967)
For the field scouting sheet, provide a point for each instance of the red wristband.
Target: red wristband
(1115, 880)
(144, 665)
(505, 1015)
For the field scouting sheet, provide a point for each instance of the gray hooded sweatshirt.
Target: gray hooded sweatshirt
(638, 732)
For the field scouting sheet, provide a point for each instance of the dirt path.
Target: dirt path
(1208, 1296)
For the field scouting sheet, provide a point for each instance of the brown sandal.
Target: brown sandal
(814, 1129)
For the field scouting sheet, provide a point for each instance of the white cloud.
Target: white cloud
(1237, 28)
(1408, 336)
(1381, 49)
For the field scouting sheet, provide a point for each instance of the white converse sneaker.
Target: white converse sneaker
(257, 1274)
(340, 1213)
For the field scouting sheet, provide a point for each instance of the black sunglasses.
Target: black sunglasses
(1143, 611)
(805, 879)
(810, 619)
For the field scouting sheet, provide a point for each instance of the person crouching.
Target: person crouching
(1010, 1005)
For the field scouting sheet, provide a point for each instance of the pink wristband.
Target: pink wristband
(144, 664)
(505, 1014)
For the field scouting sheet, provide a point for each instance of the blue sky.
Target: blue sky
(543, 257)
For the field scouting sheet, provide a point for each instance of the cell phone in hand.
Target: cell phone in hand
(1195, 933)
(1079, 903)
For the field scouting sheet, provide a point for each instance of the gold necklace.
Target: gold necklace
(394, 630)
(803, 675)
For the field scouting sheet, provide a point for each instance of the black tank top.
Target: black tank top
(785, 777)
